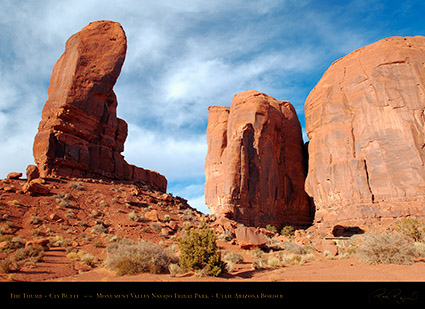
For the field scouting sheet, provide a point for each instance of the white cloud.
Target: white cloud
(176, 158)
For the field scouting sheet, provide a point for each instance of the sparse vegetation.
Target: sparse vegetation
(76, 185)
(386, 248)
(232, 257)
(288, 230)
(133, 216)
(271, 228)
(29, 255)
(411, 228)
(83, 257)
(127, 257)
(199, 251)
(63, 200)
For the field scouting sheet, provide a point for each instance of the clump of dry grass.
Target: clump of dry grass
(127, 257)
(28, 256)
(386, 248)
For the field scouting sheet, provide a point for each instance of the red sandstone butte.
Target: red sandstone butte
(255, 169)
(365, 122)
(79, 134)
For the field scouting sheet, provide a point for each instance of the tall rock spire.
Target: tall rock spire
(79, 134)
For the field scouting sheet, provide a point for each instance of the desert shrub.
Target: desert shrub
(420, 249)
(99, 228)
(198, 250)
(411, 228)
(271, 228)
(63, 200)
(175, 269)
(29, 255)
(155, 226)
(232, 257)
(257, 253)
(288, 230)
(84, 257)
(133, 216)
(289, 258)
(259, 264)
(76, 185)
(386, 248)
(127, 257)
(292, 247)
(6, 266)
(34, 220)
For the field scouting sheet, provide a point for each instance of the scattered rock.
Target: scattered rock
(166, 197)
(4, 244)
(54, 217)
(39, 242)
(152, 215)
(131, 199)
(14, 175)
(32, 172)
(33, 187)
(249, 238)
(173, 225)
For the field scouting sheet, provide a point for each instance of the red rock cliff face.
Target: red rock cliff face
(365, 121)
(79, 134)
(255, 166)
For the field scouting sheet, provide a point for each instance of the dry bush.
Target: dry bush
(83, 257)
(386, 248)
(232, 257)
(128, 257)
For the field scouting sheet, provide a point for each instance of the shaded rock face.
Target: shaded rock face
(254, 167)
(79, 134)
(365, 122)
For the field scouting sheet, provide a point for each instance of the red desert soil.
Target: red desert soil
(82, 216)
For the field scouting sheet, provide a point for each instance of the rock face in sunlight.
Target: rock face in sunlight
(365, 122)
(255, 166)
(79, 134)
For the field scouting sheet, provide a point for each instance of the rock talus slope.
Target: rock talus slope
(255, 167)
(365, 122)
(79, 134)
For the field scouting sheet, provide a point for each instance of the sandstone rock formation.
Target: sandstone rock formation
(255, 168)
(365, 122)
(79, 134)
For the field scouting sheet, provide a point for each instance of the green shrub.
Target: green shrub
(198, 250)
(288, 230)
(271, 228)
(411, 228)
(386, 248)
(127, 257)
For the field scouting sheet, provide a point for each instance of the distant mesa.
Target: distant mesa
(255, 165)
(365, 121)
(79, 134)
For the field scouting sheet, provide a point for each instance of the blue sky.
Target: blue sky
(182, 57)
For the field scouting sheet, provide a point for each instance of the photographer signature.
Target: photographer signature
(396, 295)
